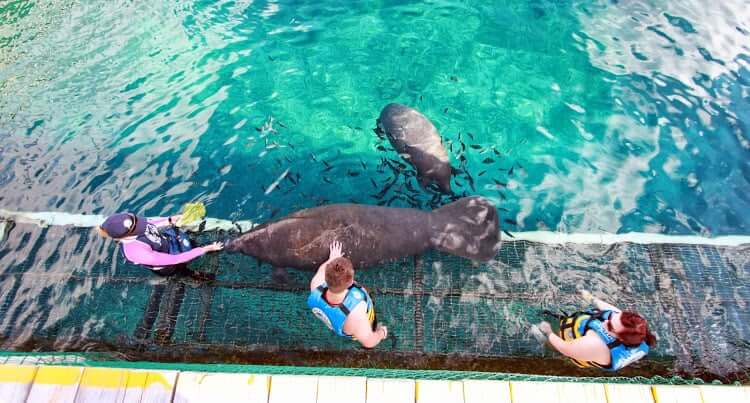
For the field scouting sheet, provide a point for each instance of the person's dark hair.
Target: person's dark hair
(635, 330)
(339, 274)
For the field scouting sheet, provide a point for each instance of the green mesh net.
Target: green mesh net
(443, 312)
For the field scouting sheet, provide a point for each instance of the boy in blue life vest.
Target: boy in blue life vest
(343, 305)
(606, 337)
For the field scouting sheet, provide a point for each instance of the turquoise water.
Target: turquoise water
(613, 116)
(577, 116)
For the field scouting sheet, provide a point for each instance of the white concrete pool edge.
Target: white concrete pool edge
(52, 218)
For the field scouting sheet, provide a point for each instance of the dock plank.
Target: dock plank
(677, 394)
(725, 394)
(293, 388)
(55, 384)
(15, 382)
(194, 387)
(557, 392)
(102, 385)
(390, 390)
(427, 391)
(342, 389)
(626, 393)
(159, 386)
(486, 392)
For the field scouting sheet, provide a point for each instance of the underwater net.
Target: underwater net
(66, 289)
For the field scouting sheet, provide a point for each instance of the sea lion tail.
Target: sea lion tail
(468, 227)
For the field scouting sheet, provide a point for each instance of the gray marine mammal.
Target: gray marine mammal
(417, 141)
(467, 227)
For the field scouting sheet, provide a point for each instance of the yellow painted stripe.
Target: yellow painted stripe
(17, 373)
(104, 378)
(157, 378)
(63, 376)
(137, 379)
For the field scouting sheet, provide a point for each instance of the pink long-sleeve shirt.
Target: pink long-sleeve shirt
(141, 253)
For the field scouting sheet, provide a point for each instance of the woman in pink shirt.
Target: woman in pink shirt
(155, 243)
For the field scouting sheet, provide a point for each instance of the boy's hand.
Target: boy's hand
(335, 250)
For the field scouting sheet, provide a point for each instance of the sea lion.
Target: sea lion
(371, 235)
(417, 141)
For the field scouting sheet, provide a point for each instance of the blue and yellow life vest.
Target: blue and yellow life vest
(334, 316)
(576, 325)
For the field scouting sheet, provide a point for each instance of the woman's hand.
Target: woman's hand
(335, 250)
(175, 219)
(545, 327)
(586, 295)
(214, 247)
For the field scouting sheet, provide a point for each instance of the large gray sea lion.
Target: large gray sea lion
(467, 227)
(417, 140)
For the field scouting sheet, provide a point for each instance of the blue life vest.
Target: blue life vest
(334, 316)
(576, 325)
(165, 240)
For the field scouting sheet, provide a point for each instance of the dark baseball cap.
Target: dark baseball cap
(121, 225)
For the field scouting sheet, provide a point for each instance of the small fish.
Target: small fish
(508, 234)
(258, 129)
(398, 163)
(471, 182)
(380, 148)
(363, 164)
(326, 180)
(288, 159)
(470, 135)
(273, 212)
(488, 160)
(445, 110)
(326, 163)
(282, 125)
(328, 168)
(420, 98)
(494, 150)
(312, 157)
(450, 146)
(292, 179)
(502, 195)
(510, 172)
(454, 79)
(462, 158)
(357, 128)
(459, 136)
(290, 145)
(476, 146)
(481, 173)
(510, 221)
(276, 182)
(375, 185)
(352, 173)
(271, 58)
(497, 182)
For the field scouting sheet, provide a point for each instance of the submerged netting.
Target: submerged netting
(62, 289)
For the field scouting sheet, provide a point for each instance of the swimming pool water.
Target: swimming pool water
(613, 116)
(577, 116)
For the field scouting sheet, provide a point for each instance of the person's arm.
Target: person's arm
(360, 327)
(320, 276)
(599, 304)
(164, 221)
(582, 349)
(141, 253)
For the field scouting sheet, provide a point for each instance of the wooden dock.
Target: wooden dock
(39, 383)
